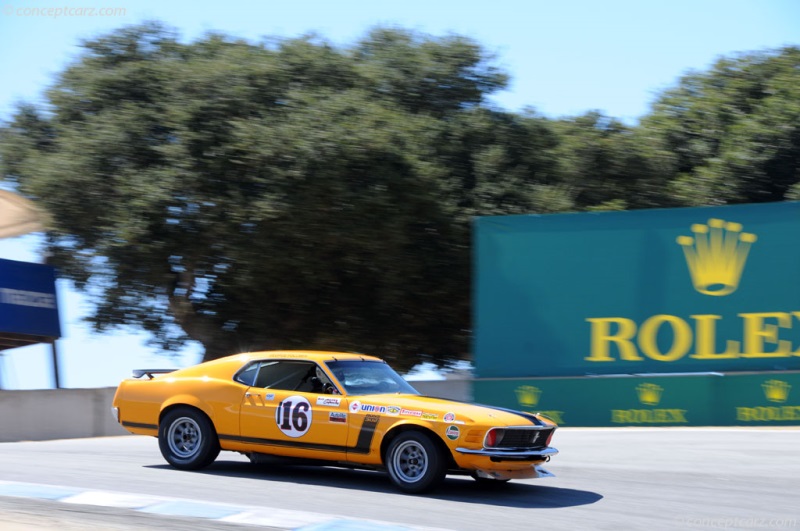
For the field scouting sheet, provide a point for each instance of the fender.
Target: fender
(188, 400)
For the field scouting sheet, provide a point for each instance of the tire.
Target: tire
(187, 439)
(415, 463)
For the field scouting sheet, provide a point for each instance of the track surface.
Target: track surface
(671, 478)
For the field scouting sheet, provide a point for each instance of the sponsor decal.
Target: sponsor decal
(269, 396)
(449, 417)
(293, 416)
(393, 410)
(328, 401)
(716, 256)
(452, 432)
(357, 406)
(34, 299)
(369, 408)
(649, 394)
(411, 412)
(777, 392)
(336, 416)
(430, 416)
(528, 395)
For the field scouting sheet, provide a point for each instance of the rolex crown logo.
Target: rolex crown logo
(776, 390)
(716, 255)
(527, 395)
(649, 394)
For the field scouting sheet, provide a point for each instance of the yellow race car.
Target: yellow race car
(339, 409)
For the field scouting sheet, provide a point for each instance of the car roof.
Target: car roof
(310, 355)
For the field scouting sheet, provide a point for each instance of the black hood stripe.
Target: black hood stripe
(527, 416)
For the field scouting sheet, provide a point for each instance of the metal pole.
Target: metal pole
(55, 364)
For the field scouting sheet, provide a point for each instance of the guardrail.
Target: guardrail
(45, 414)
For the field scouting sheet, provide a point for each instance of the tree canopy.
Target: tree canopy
(294, 194)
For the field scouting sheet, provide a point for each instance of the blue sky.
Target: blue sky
(564, 58)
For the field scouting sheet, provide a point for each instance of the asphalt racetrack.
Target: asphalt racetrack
(647, 478)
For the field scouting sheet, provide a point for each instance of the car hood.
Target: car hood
(444, 410)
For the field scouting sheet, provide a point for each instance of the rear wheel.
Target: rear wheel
(415, 463)
(187, 439)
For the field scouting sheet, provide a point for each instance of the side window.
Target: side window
(286, 375)
(248, 375)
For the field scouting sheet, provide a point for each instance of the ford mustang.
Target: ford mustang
(332, 408)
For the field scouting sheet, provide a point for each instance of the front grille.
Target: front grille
(521, 438)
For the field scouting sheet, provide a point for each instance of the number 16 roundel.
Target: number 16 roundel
(293, 416)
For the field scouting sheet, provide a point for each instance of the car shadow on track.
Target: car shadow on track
(455, 488)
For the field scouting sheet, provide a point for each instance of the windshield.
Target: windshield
(366, 377)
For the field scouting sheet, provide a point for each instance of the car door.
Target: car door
(285, 412)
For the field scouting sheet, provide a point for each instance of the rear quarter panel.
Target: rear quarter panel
(141, 402)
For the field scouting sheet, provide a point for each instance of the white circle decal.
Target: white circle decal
(293, 416)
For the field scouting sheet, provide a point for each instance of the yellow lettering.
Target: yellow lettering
(767, 414)
(706, 339)
(756, 332)
(797, 314)
(602, 337)
(643, 416)
(620, 416)
(678, 415)
(681, 342)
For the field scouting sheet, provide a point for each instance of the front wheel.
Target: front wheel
(187, 439)
(415, 463)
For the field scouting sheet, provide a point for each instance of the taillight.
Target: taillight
(550, 437)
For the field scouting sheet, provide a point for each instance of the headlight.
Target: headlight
(494, 437)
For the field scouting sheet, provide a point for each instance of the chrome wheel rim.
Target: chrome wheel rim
(184, 437)
(410, 461)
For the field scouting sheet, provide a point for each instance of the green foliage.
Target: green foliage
(254, 196)
(293, 194)
(609, 166)
(733, 133)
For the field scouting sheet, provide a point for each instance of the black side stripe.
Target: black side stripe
(291, 444)
(366, 435)
(363, 443)
(139, 425)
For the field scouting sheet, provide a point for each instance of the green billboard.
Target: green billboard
(766, 399)
(653, 291)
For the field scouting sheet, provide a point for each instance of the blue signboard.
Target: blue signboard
(28, 304)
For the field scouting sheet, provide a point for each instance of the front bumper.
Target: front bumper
(542, 454)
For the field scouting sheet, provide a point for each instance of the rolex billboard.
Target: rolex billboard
(713, 289)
